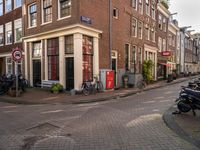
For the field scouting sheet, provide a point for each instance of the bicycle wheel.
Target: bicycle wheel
(99, 86)
(86, 91)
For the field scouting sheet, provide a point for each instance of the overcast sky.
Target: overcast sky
(188, 13)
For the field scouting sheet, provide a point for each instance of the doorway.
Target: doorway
(114, 68)
(69, 73)
(36, 73)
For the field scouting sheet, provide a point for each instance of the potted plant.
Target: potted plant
(56, 88)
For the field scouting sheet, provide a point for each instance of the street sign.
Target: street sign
(16, 54)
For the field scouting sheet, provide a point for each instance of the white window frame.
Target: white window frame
(164, 45)
(136, 26)
(134, 4)
(7, 24)
(15, 4)
(140, 2)
(141, 29)
(42, 7)
(29, 16)
(117, 13)
(7, 11)
(160, 22)
(147, 6)
(9, 64)
(159, 44)
(16, 27)
(2, 31)
(59, 17)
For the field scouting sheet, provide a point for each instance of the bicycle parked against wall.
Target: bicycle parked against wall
(92, 88)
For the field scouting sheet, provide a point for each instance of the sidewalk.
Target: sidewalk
(42, 96)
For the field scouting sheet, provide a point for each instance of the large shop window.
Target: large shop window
(47, 10)
(65, 8)
(53, 58)
(33, 15)
(69, 44)
(87, 58)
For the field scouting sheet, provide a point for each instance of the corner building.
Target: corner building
(71, 41)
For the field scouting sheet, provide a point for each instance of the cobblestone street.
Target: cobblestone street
(131, 123)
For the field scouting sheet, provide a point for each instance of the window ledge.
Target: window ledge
(46, 23)
(31, 27)
(8, 43)
(63, 18)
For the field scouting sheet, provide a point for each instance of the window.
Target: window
(53, 58)
(134, 27)
(127, 59)
(65, 8)
(47, 11)
(140, 28)
(18, 3)
(1, 35)
(153, 36)
(134, 4)
(147, 32)
(164, 24)
(36, 53)
(8, 5)
(87, 58)
(69, 44)
(160, 44)
(9, 33)
(164, 45)
(170, 39)
(18, 30)
(147, 7)
(140, 7)
(1, 7)
(32, 15)
(153, 10)
(134, 58)
(160, 22)
(9, 66)
(140, 59)
(115, 13)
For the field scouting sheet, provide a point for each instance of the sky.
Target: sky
(188, 13)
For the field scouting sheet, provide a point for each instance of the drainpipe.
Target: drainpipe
(110, 34)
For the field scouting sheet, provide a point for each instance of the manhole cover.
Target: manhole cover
(55, 142)
(43, 128)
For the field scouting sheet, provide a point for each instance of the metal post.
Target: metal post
(110, 33)
(16, 74)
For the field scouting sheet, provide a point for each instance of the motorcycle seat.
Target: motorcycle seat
(192, 92)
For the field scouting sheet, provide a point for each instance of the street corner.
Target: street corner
(185, 125)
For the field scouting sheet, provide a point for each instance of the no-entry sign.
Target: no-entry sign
(16, 54)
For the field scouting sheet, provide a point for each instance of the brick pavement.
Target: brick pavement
(130, 123)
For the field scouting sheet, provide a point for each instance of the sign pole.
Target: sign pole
(16, 73)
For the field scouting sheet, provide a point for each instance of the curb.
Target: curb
(170, 122)
(17, 101)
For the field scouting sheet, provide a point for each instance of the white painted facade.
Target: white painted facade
(77, 31)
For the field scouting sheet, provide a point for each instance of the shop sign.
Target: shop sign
(86, 20)
(166, 53)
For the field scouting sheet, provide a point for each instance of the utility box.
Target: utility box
(107, 78)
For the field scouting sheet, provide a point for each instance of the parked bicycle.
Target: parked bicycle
(92, 88)
(141, 84)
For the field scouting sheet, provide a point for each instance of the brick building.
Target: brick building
(162, 40)
(66, 42)
(10, 34)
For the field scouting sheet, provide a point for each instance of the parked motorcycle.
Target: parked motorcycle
(189, 99)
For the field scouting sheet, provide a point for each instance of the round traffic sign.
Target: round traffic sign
(16, 54)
